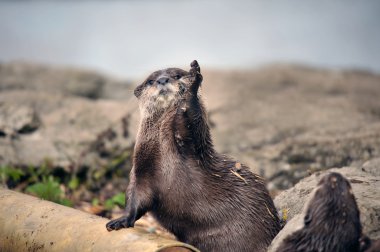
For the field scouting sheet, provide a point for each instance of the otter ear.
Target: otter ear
(138, 90)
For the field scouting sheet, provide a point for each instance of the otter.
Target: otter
(204, 198)
(331, 222)
(372, 246)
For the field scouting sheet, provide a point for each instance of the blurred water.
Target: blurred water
(132, 38)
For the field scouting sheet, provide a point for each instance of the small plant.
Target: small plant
(73, 183)
(37, 173)
(118, 199)
(49, 189)
(95, 202)
(7, 172)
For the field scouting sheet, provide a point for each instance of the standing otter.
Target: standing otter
(203, 198)
(332, 220)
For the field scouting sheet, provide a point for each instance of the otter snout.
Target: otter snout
(163, 80)
(164, 85)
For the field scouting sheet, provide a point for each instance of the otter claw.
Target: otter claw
(114, 225)
(195, 76)
(195, 69)
(120, 223)
(195, 64)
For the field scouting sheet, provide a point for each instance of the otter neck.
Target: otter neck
(150, 124)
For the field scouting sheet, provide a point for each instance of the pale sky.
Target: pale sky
(133, 38)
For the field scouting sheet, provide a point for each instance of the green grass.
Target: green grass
(49, 189)
(118, 199)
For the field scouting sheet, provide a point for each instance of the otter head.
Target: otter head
(161, 90)
(333, 203)
(333, 212)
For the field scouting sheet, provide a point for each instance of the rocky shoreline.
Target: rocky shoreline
(286, 122)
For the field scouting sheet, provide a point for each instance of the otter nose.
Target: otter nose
(163, 80)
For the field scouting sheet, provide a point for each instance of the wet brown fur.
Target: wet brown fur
(332, 220)
(204, 198)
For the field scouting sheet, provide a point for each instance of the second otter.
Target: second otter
(203, 198)
(331, 222)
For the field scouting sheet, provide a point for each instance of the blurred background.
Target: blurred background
(130, 38)
(292, 87)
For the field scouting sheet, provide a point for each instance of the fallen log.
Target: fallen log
(31, 224)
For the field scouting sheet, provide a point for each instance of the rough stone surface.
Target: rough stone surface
(283, 121)
(60, 80)
(73, 130)
(17, 119)
(293, 225)
(287, 121)
(372, 166)
(63, 118)
(365, 187)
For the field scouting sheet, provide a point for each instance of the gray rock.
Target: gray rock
(288, 121)
(17, 119)
(68, 81)
(372, 166)
(283, 121)
(66, 118)
(365, 187)
(70, 128)
(293, 225)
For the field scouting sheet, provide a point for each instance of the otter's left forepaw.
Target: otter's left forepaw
(195, 68)
(195, 75)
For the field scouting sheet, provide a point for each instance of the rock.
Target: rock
(67, 81)
(284, 121)
(293, 225)
(71, 131)
(66, 119)
(365, 188)
(288, 121)
(17, 119)
(372, 166)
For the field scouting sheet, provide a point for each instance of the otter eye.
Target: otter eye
(150, 82)
(307, 219)
(177, 77)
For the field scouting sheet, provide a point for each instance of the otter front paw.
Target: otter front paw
(122, 222)
(195, 76)
(195, 68)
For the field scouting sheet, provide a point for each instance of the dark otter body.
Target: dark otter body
(204, 198)
(374, 246)
(332, 221)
